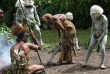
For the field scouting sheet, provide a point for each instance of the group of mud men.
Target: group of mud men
(62, 23)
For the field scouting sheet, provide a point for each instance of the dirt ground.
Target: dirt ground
(92, 68)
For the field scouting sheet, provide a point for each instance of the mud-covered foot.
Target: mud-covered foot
(41, 43)
(84, 66)
(103, 67)
(78, 49)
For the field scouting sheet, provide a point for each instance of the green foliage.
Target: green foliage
(45, 7)
(35, 23)
(83, 36)
(8, 6)
(6, 14)
(4, 30)
(51, 39)
(79, 8)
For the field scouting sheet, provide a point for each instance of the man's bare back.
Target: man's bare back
(23, 46)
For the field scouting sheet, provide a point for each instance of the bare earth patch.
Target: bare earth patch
(92, 68)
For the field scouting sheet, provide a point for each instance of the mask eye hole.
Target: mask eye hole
(93, 13)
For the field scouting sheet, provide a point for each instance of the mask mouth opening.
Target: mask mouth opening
(30, 2)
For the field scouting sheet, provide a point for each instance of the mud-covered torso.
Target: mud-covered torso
(19, 15)
(29, 11)
(99, 26)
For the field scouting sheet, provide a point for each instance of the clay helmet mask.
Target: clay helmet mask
(28, 3)
(69, 16)
(96, 11)
(18, 4)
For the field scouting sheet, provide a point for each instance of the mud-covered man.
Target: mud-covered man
(99, 32)
(32, 17)
(19, 13)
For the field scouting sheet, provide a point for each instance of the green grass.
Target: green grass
(83, 36)
(50, 37)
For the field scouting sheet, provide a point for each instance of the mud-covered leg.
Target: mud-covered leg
(102, 51)
(76, 44)
(39, 33)
(91, 46)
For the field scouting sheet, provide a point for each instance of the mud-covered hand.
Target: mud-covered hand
(99, 41)
(30, 21)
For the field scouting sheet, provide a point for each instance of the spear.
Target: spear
(29, 28)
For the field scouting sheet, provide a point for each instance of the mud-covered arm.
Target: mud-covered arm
(105, 29)
(36, 16)
(30, 21)
(25, 16)
(93, 27)
(17, 18)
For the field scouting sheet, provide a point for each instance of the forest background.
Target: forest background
(79, 8)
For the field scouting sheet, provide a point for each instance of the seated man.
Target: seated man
(25, 47)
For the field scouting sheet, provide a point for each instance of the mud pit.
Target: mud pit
(92, 68)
